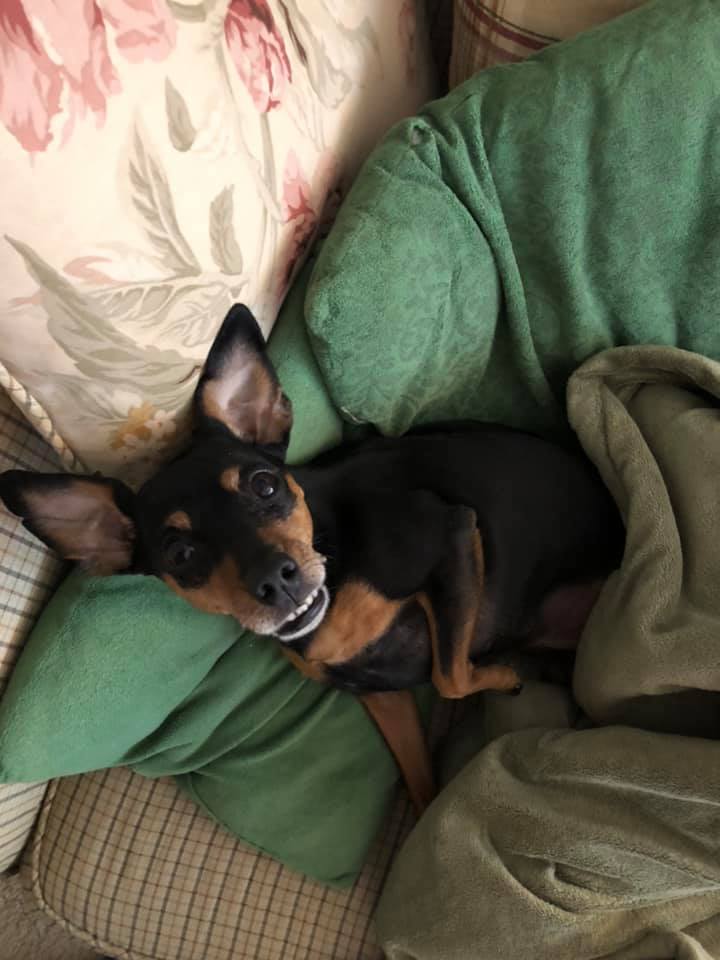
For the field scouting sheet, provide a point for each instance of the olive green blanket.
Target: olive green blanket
(573, 840)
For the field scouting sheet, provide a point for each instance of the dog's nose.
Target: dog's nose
(276, 581)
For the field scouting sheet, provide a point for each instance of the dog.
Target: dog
(434, 556)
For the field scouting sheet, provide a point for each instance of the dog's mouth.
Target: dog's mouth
(307, 616)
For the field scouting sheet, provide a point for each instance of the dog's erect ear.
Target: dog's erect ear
(82, 518)
(239, 388)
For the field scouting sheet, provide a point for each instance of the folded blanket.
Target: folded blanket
(571, 844)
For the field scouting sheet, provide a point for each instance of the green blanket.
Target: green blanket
(541, 213)
(563, 842)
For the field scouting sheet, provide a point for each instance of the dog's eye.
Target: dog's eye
(264, 484)
(178, 554)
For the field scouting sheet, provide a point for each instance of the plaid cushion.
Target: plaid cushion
(505, 31)
(28, 573)
(132, 867)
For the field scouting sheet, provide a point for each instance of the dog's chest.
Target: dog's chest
(396, 658)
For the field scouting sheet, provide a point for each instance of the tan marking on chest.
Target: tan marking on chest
(357, 617)
(179, 520)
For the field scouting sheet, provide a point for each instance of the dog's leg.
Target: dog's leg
(453, 603)
(396, 715)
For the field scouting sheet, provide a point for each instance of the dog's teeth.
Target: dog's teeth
(304, 607)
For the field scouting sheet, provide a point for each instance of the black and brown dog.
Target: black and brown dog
(377, 568)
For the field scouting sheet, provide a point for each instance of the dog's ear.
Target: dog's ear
(239, 388)
(82, 518)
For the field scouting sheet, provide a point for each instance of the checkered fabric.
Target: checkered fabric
(132, 867)
(490, 32)
(28, 573)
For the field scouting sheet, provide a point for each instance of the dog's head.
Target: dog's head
(224, 525)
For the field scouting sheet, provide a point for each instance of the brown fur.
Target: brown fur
(230, 479)
(85, 525)
(357, 617)
(314, 671)
(397, 718)
(224, 592)
(294, 534)
(257, 411)
(179, 520)
(464, 678)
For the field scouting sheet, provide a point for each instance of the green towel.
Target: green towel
(576, 844)
(542, 212)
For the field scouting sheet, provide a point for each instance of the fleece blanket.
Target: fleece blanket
(541, 213)
(571, 840)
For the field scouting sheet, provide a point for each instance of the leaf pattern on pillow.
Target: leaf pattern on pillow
(122, 373)
(98, 347)
(152, 199)
(224, 247)
(181, 131)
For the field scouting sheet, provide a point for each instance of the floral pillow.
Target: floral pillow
(161, 159)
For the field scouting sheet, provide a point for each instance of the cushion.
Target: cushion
(485, 34)
(132, 867)
(167, 159)
(497, 240)
(28, 571)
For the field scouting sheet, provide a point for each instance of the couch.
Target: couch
(202, 211)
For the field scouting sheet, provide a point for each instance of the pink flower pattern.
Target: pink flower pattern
(54, 59)
(144, 29)
(258, 52)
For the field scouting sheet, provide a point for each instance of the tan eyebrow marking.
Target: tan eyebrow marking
(230, 479)
(294, 530)
(179, 519)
